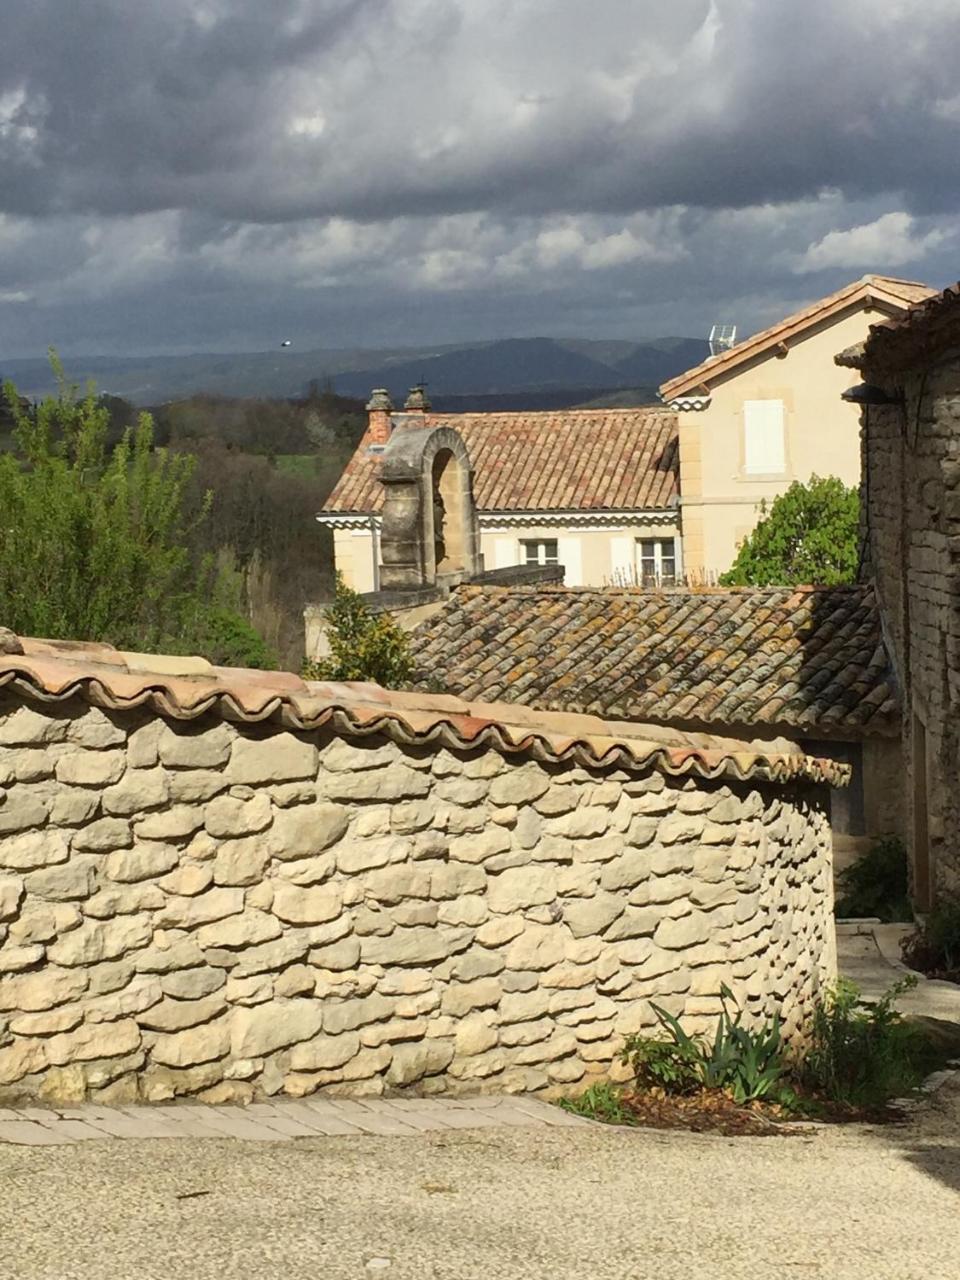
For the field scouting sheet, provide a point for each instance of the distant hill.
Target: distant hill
(511, 369)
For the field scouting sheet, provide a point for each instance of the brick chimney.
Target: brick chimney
(379, 408)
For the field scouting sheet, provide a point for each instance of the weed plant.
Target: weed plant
(876, 884)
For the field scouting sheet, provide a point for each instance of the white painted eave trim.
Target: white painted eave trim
(515, 519)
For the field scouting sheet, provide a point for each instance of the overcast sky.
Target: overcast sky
(219, 174)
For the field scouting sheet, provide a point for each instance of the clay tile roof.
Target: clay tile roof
(574, 459)
(918, 332)
(885, 291)
(185, 688)
(812, 659)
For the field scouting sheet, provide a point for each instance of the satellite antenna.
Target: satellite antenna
(722, 338)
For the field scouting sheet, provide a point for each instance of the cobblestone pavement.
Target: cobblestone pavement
(280, 1121)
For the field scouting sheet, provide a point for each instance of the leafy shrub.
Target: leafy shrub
(864, 1054)
(228, 640)
(876, 884)
(602, 1101)
(934, 947)
(363, 645)
(748, 1063)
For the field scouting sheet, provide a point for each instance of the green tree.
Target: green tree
(363, 645)
(809, 536)
(94, 541)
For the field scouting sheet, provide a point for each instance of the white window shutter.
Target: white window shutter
(763, 443)
(623, 560)
(505, 553)
(569, 555)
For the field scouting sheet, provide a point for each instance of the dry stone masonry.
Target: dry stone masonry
(233, 912)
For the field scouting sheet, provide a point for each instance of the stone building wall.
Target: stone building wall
(230, 912)
(911, 529)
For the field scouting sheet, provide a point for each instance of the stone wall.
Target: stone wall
(230, 912)
(911, 527)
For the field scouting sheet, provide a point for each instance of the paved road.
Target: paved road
(502, 1203)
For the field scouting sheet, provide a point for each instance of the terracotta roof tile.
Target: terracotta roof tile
(802, 657)
(883, 289)
(574, 459)
(181, 689)
(916, 333)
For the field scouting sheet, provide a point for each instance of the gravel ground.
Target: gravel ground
(589, 1203)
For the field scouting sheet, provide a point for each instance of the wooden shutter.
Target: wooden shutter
(570, 556)
(505, 553)
(763, 443)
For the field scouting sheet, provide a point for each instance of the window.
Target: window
(540, 551)
(764, 453)
(657, 562)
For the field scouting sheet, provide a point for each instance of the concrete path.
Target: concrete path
(280, 1121)
(869, 955)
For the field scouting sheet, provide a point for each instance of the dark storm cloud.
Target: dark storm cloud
(558, 164)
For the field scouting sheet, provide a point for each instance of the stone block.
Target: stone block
(177, 822)
(92, 1041)
(366, 855)
(21, 811)
(195, 786)
(141, 862)
(97, 940)
(11, 895)
(477, 847)
(236, 932)
(392, 884)
(497, 932)
(411, 1062)
(277, 757)
(325, 1052)
(520, 888)
(461, 997)
(103, 836)
(91, 768)
(398, 782)
(188, 913)
(176, 1015)
(537, 947)
(346, 756)
(94, 729)
(296, 905)
(15, 958)
(305, 831)
(688, 931)
(230, 816)
(264, 1029)
(585, 916)
(416, 946)
(582, 822)
(184, 746)
(520, 784)
(271, 956)
(192, 984)
(137, 791)
(73, 806)
(347, 1015)
(25, 727)
(187, 880)
(241, 862)
(196, 1045)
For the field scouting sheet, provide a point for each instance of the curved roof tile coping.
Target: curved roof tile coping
(186, 688)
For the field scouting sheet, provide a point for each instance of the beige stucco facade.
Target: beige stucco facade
(720, 497)
(593, 554)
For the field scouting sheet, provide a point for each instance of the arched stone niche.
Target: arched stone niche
(430, 527)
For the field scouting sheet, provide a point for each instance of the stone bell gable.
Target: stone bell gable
(430, 528)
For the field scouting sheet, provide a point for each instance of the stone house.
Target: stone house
(768, 411)
(231, 884)
(910, 437)
(761, 664)
(593, 490)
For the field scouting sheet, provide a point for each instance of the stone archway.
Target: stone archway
(430, 527)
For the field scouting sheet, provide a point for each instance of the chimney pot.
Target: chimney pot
(417, 401)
